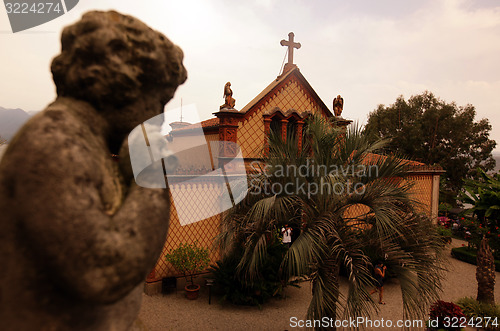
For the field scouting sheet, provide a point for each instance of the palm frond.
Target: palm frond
(328, 239)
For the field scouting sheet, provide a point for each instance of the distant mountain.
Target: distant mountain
(11, 120)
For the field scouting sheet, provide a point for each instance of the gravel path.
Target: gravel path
(175, 312)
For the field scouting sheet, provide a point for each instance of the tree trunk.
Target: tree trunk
(485, 273)
(332, 280)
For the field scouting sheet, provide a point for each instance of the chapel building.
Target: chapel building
(281, 107)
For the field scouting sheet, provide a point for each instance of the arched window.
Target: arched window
(276, 126)
(305, 137)
(291, 130)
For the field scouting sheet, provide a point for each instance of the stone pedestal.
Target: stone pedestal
(228, 131)
(152, 288)
(341, 122)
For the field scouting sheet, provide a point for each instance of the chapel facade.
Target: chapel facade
(281, 107)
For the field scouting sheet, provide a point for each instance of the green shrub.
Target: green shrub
(489, 230)
(189, 259)
(238, 290)
(469, 255)
(474, 309)
(444, 233)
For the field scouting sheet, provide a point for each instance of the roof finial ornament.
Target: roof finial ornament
(338, 105)
(291, 45)
(228, 97)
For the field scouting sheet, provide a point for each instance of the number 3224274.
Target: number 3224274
(474, 322)
(35, 8)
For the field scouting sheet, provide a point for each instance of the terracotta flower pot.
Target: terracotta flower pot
(192, 291)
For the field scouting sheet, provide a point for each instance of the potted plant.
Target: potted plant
(189, 259)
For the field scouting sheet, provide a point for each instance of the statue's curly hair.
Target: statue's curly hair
(110, 59)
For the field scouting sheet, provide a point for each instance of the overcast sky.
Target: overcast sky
(370, 52)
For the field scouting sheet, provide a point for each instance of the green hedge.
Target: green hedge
(473, 309)
(469, 255)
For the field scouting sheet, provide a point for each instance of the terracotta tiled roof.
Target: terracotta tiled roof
(372, 158)
(413, 166)
(210, 123)
(207, 124)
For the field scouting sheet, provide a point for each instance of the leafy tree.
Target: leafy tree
(189, 259)
(484, 196)
(285, 190)
(435, 132)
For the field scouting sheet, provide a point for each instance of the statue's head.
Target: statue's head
(338, 96)
(112, 60)
(228, 84)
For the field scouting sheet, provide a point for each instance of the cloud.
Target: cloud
(368, 51)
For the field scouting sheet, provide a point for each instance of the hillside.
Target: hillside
(11, 120)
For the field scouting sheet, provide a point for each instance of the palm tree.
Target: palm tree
(485, 273)
(315, 188)
(484, 195)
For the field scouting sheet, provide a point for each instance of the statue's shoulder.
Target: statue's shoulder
(58, 121)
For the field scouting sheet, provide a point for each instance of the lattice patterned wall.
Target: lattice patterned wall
(421, 191)
(356, 211)
(206, 230)
(203, 231)
(291, 96)
(251, 130)
(251, 135)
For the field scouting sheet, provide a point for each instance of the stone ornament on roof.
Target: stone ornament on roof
(338, 105)
(228, 97)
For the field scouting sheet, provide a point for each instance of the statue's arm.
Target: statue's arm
(93, 250)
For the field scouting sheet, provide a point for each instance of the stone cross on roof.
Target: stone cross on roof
(291, 45)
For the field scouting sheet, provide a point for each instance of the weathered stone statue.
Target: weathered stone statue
(338, 105)
(228, 97)
(77, 235)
